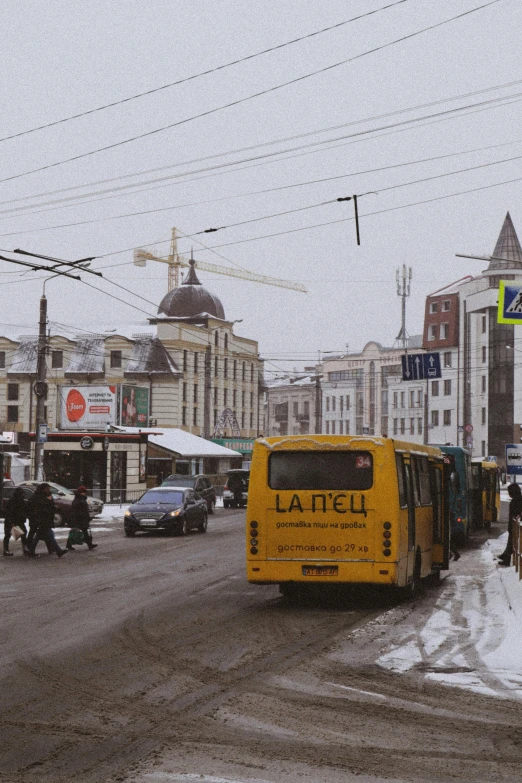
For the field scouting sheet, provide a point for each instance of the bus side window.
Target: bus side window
(415, 480)
(424, 481)
(403, 500)
(436, 493)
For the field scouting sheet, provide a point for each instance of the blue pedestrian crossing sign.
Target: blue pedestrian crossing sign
(510, 302)
(420, 366)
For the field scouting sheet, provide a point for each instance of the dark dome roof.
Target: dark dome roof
(191, 299)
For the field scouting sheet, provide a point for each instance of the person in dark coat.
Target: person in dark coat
(236, 485)
(15, 515)
(515, 510)
(41, 519)
(81, 517)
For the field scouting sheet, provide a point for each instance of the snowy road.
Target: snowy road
(151, 660)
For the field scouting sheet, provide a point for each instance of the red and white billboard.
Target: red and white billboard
(88, 407)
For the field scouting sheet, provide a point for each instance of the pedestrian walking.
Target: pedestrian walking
(41, 519)
(15, 516)
(81, 518)
(515, 511)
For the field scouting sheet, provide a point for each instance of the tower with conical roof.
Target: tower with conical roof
(508, 252)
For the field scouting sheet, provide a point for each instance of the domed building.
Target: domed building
(191, 300)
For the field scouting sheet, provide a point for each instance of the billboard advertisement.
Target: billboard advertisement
(87, 407)
(134, 406)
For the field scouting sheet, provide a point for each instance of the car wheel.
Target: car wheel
(130, 533)
(183, 528)
(58, 519)
(212, 506)
(202, 527)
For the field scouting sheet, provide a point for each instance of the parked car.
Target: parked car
(63, 499)
(228, 490)
(173, 509)
(200, 484)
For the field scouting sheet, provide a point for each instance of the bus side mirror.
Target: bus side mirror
(455, 481)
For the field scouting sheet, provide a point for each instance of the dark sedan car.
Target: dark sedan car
(200, 484)
(173, 509)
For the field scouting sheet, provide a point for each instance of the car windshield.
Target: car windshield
(178, 481)
(156, 496)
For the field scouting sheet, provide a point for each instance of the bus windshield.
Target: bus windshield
(338, 470)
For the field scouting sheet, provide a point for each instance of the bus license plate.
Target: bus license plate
(320, 570)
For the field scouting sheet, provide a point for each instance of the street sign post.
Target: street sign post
(420, 366)
(514, 459)
(510, 302)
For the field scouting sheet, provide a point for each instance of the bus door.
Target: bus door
(439, 480)
(410, 500)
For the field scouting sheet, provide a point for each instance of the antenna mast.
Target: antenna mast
(403, 290)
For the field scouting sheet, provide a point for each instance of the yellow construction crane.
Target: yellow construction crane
(175, 262)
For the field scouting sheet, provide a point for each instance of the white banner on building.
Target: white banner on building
(88, 407)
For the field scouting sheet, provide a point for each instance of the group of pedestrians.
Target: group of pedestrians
(40, 511)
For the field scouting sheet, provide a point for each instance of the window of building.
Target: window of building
(251, 399)
(333, 427)
(57, 360)
(185, 361)
(243, 372)
(216, 338)
(242, 399)
(403, 399)
(434, 418)
(216, 366)
(333, 403)
(2, 360)
(447, 418)
(412, 426)
(412, 398)
(225, 341)
(403, 426)
(184, 415)
(234, 370)
(483, 415)
(483, 384)
(243, 420)
(432, 332)
(447, 388)
(13, 391)
(184, 392)
(251, 420)
(341, 428)
(444, 331)
(395, 399)
(395, 426)
(327, 404)
(446, 304)
(419, 426)
(225, 398)
(327, 427)
(225, 368)
(12, 413)
(115, 360)
(434, 388)
(251, 373)
(195, 363)
(484, 354)
(419, 398)
(296, 408)
(195, 392)
(215, 416)
(347, 402)
(484, 447)
(434, 307)
(234, 398)
(484, 324)
(215, 395)
(446, 358)
(195, 416)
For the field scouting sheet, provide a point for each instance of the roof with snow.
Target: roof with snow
(25, 357)
(88, 357)
(149, 357)
(183, 443)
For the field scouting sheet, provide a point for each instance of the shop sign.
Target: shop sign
(86, 442)
(134, 406)
(87, 407)
(244, 446)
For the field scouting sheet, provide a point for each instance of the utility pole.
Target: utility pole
(318, 406)
(40, 388)
(207, 391)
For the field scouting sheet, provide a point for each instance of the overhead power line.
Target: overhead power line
(217, 68)
(258, 94)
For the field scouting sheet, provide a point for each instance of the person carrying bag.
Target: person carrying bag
(81, 521)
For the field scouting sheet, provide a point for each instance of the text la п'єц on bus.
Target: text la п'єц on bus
(346, 509)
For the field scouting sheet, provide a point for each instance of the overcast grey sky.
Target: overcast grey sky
(61, 58)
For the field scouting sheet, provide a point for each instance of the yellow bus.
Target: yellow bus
(346, 509)
(486, 492)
